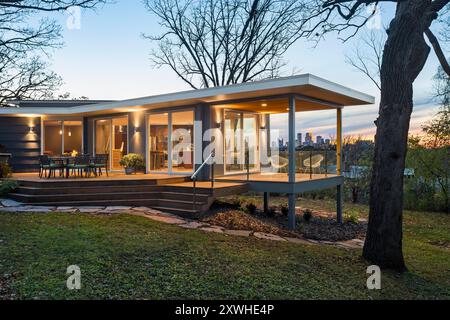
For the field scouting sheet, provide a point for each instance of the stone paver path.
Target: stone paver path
(11, 206)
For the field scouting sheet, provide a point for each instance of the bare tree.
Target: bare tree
(367, 55)
(404, 56)
(220, 42)
(26, 79)
(25, 41)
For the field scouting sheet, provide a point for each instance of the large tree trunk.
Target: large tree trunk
(404, 56)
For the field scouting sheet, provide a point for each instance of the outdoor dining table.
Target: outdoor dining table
(65, 161)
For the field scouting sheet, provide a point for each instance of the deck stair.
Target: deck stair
(174, 195)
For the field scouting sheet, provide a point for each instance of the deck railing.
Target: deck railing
(197, 172)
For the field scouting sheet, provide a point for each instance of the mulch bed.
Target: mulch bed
(330, 230)
(320, 227)
(239, 220)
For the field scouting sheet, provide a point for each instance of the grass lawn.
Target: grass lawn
(129, 257)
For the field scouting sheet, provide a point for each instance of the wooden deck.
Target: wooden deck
(169, 193)
(112, 176)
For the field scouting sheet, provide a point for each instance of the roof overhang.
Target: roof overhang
(306, 85)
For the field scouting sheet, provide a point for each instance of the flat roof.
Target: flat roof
(52, 103)
(306, 85)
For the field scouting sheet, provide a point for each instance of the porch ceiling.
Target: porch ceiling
(272, 106)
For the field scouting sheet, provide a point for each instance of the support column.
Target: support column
(339, 191)
(339, 141)
(266, 202)
(339, 202)
(85, 136)
(292, 196)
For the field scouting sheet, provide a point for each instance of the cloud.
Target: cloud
(358, 120)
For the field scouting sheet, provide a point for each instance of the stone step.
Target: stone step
(170, 206)
(108, 189)
(154, 195)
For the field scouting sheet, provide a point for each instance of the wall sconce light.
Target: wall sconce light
(121, 129)
(70, 133)
(60, 132)
(137, 129)
(31, 129)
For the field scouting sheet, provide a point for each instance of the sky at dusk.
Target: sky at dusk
(107, 58)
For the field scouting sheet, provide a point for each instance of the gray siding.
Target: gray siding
(17, 139)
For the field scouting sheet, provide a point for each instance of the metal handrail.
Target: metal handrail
(194, 178)
(195, 174)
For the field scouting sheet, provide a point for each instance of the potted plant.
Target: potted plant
(132, 162)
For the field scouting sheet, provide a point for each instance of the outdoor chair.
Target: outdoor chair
(279, 163)
(80, 164)
(310, 164)
(47, 164)
(99, 162)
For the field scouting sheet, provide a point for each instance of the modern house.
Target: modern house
(177, 132)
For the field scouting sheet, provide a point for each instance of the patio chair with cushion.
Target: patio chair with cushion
(313, 163)
(99, 162)
(47, 164)
(80, 164)
(279, 163)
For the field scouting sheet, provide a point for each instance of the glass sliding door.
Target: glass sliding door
(119, 141)
(234, 156)
(111, 138)
(73, 141)
(53, 134)
(182, 141)
(171, 142)
(241, 134)
(102, 136)
(250, 136)
(159, 142)
(62, 137)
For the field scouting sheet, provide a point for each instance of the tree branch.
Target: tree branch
(439, 53)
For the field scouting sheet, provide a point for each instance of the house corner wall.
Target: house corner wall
(24, 144)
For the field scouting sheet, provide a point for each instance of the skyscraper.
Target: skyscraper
(299, 138)
(309, 139)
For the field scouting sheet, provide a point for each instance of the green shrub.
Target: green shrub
(284, 210)
(134, 161)
(236, 203)
(250, 208)
(7, 186)
(307, 214)
(5, 171)
(351, 217)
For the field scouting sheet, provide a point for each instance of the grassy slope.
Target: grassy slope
(132, 257)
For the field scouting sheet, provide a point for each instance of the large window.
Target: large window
(111, 137)
(171, 141)
(182, 141)
(159, 141)
(241, 136)
(62, 137)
